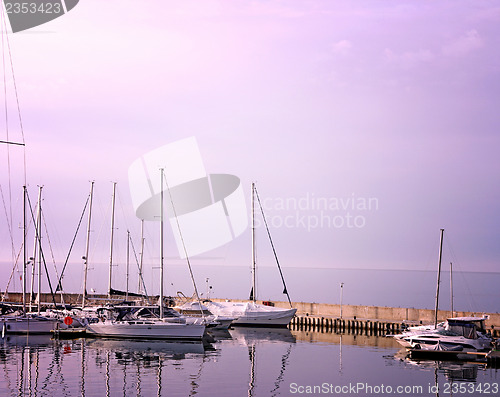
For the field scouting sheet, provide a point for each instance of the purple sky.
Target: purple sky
(393, 101)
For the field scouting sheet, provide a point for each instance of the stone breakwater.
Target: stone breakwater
(312, 314)
(379, 317)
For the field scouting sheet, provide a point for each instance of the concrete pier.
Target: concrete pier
(380, 318)
(328, 316)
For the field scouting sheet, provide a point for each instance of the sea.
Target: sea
(476, 292)
(238, 362)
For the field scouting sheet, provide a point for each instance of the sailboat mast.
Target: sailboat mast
(139, 287)
(161, 244)
(438, 278)
(451, 287)
(24, 248)
(128, 261)
(86, 257)
(33, 258)
(39, 237)
(111, 240)
(254, 289)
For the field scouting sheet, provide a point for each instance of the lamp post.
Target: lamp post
(341, 293)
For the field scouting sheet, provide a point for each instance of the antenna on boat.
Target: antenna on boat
(438, 278)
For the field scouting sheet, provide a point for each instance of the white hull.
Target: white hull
(428, 341)
(146, 329)
(193, 310)
(253, 314)
(27, 325)
(458, 332)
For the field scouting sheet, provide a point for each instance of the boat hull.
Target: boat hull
(146, 330)
(26, 325)
(253, 315)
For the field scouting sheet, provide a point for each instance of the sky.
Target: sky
(367, 126)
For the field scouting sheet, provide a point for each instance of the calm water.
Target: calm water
(242, 362)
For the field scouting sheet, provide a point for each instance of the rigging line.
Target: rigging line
(137, 263)
(184, 248)
(50, 244)
(38, 237)
(17, 98)
(10, 218)
(18, 255)
(59, 285)
(285, 290)
(120, 202)
(8, 223)
(16, 262)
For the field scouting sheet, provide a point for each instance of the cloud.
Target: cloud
(342, 46)
(409, 58)
(471, 41)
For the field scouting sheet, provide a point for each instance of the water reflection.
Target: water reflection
(251, 361)
(259, 338)
(465, 371)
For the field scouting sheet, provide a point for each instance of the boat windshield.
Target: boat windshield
(467, 330)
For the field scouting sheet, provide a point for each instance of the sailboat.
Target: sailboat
(28, 322)
(456, 333)
(251, 313)
(121, 323)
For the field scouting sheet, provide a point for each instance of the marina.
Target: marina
(137, 256)
(257, 361)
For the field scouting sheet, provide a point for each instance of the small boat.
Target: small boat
(457, 333)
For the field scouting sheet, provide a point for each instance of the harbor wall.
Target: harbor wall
(379, 313)
(357, 312)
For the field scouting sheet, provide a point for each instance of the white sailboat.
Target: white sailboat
(28, 322)
(457, 333)
(251, 313)
(199, 310)
(133, 326)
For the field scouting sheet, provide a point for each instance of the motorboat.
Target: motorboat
(457, 333)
